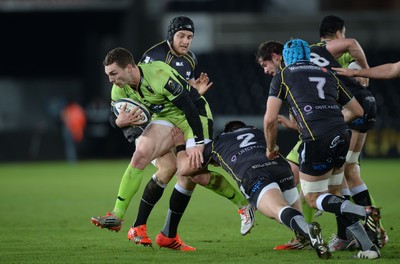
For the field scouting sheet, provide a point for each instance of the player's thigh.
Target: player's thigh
(261, 180)
(313, 186)
(271, 201)
(295, 169)
(156, 140)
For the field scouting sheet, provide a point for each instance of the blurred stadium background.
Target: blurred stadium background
(53, 50)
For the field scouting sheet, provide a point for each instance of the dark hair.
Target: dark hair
(122, 57)
(266, 49)
(330, 25)
(177, 24)
(233, 125)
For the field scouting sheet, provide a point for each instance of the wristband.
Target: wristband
(180, 148)
(199, 142)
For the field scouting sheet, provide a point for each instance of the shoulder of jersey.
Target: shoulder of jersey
(191, 54)
(157, 52)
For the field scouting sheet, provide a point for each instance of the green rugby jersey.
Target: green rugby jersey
(345, 59)
(160, 84)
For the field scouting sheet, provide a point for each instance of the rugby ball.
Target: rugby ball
(130, 104)
(354, 66)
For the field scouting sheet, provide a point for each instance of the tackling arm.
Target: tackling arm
(182, 158)
(184, 103)
(384, 71)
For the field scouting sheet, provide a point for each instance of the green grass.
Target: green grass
(46, 210)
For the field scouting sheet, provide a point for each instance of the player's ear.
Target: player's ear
(338, 34)
(275, 57)
(129, 67)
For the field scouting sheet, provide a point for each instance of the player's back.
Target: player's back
(314, 96)
(242, 149)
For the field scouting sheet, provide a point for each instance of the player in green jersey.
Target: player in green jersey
(175, 51)
(173, 103)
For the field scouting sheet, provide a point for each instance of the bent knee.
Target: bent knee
(167, 170)
(311, 199)
(201, 179)
(186, 182)
(139, 160)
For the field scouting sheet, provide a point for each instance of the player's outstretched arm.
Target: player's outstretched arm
(183, 160)
(384, 71)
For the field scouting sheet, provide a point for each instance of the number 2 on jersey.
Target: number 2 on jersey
(246, 140)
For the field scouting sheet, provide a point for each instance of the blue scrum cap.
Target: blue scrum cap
(296, 50)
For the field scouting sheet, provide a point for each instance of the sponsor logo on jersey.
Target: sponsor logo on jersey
(156, 108)
(234, 159)
(266, 164)
(307, 108)
(335, 142)
(290, 178)
(334, 107)
(247, 149)
(319, 167)
(359, 121)
(173, 87)
(369, 99)
(256, 186)
(179, 63)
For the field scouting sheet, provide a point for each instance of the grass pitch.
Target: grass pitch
(46, 210)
